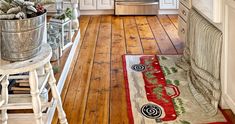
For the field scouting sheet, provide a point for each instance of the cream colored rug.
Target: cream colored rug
(158, 92)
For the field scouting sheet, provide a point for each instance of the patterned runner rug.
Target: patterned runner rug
(157, 92)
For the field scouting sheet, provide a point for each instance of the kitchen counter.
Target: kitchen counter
(211, 10)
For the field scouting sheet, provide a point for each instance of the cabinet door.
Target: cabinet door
(169, 4)
(87, 4)
(105, 4)
(228, 83)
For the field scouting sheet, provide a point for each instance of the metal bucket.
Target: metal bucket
(22, 39)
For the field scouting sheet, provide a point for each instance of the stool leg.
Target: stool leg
(55, 94)
(5, 84)
(33, 82)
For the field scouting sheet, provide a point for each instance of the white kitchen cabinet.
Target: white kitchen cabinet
(96, 4)
(184, 7)
(88, 4)
(169, 4)
(228, 60)
(105, 4)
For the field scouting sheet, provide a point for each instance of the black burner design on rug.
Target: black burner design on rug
(138, 67)
(151, 111)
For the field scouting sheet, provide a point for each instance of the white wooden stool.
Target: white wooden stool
(37, 82)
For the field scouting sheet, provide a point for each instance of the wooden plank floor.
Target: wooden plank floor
(94, 91)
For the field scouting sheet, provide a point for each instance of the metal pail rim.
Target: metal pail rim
(27, 18)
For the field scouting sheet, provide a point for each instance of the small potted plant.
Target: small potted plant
(22, 29)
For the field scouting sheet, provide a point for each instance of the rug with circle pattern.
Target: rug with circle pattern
(157, 92)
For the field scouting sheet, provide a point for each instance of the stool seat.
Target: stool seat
(41, 59)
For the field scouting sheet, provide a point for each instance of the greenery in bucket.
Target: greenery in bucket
(19, 9)
(64, 15)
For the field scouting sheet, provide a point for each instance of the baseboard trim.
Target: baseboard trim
(168, 11)
(97, 12)
(111, 12)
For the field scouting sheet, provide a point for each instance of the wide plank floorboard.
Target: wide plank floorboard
(172, 33)
(163, 40)
(94, 91)
(97, 108)
(133, 41)
(147, 38)
(174, 20)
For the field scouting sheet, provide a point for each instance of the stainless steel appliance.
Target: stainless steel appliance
(136, 7)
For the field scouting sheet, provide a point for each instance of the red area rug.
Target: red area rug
(157, 92)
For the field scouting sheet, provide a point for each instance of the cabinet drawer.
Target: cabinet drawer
(136, 8)
(187, 3)
(182, 29)
(183, 12)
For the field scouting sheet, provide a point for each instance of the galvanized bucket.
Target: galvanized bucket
(22, 39)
